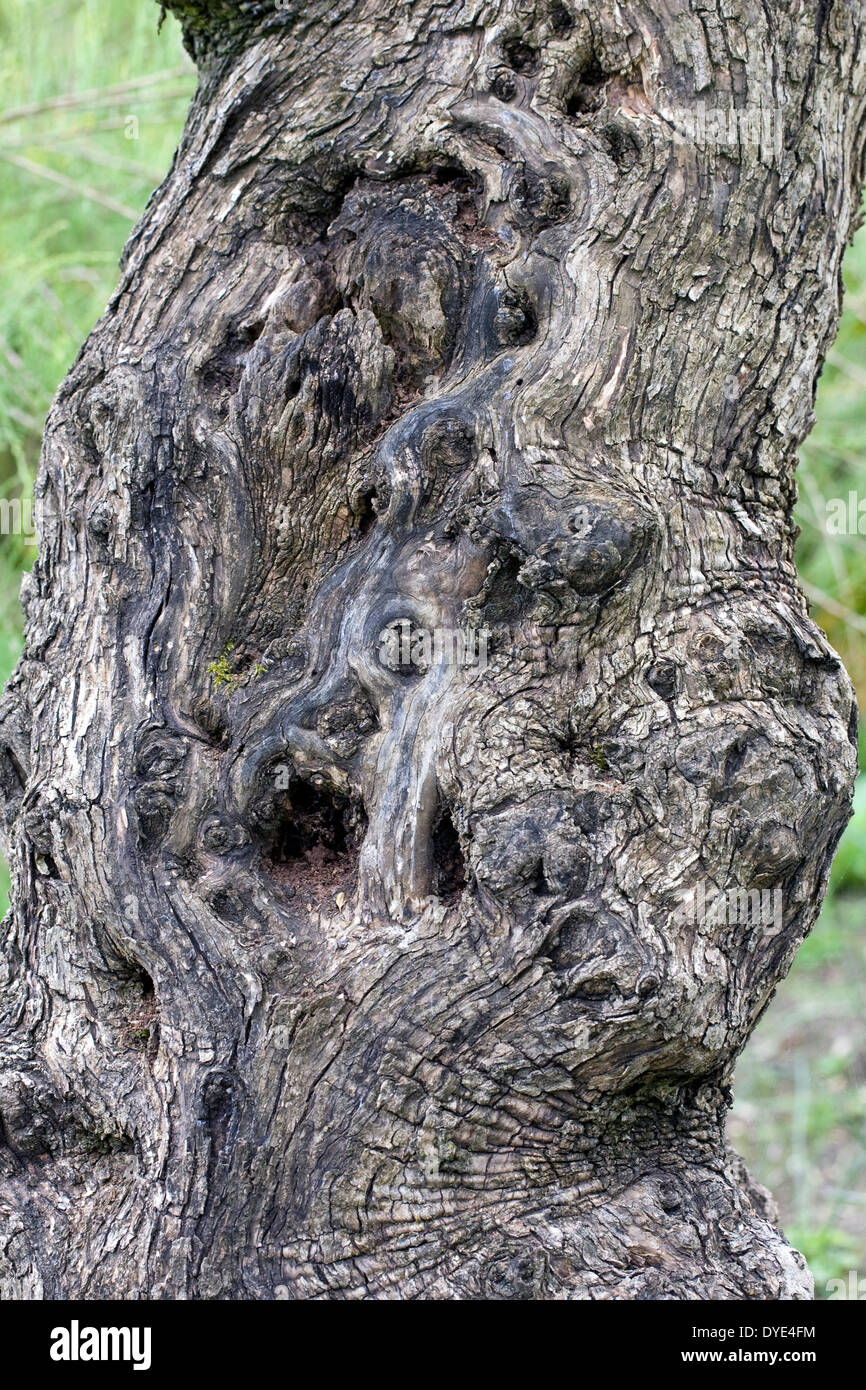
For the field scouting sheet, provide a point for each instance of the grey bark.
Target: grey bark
(329, 978)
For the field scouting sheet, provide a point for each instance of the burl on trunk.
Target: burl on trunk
(418, 697)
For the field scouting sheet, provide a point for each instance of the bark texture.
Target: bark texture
(328, 977)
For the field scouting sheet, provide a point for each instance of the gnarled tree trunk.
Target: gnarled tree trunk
(339, 967)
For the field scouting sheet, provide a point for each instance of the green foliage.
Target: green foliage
(849, 867)
(830, 1253)
(799, 1117)
(833, 567)
(221, 670)
(94, 98)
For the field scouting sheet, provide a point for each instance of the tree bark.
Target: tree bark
(331, 974)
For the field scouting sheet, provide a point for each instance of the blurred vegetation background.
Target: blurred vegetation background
(93, 104)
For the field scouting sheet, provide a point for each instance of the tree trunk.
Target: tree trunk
(342, 962)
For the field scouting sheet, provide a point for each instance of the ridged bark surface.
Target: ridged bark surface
(330, 976)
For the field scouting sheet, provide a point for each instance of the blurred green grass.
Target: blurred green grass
(799, 1117)
(93, 103)
(110, 96)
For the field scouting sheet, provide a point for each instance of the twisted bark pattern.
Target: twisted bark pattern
(325, 979)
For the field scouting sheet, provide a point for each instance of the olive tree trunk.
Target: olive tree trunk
(345, 962)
